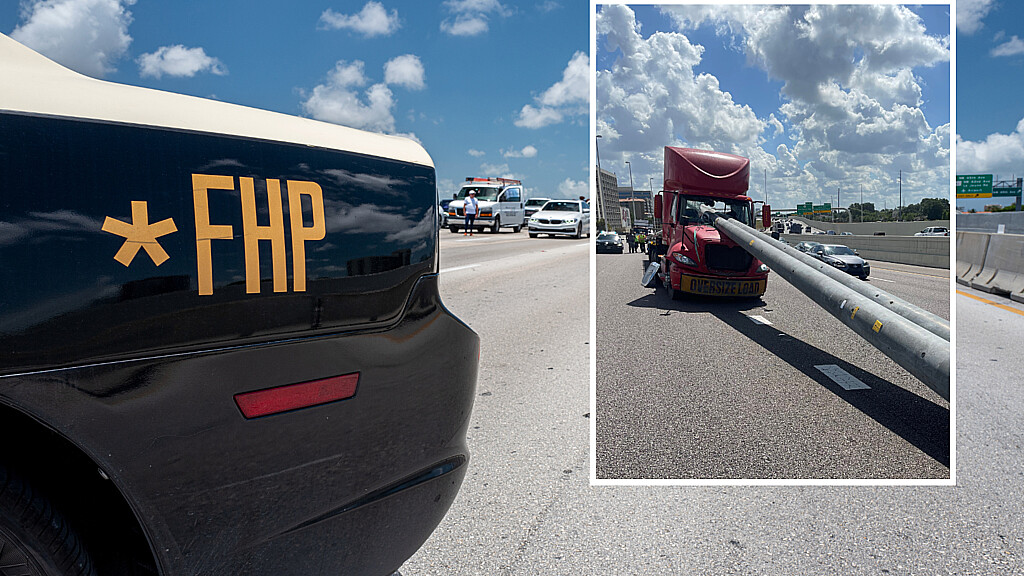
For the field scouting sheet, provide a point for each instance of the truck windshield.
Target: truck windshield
(689, 209)
(489, 193)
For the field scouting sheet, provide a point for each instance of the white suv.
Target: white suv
(934, 231)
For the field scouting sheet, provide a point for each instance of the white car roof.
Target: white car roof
(33, 84)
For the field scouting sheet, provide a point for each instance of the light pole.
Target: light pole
(899, 209)
(650, 212)
(632, 207)
(600, 191)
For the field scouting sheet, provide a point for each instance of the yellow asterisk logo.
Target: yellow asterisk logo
(140, 234)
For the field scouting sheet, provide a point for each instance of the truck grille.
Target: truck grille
(722, 257)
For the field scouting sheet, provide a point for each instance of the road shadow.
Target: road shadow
(919, 421)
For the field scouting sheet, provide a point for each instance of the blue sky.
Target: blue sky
(489, 87)
(822, 98)
(990, 78)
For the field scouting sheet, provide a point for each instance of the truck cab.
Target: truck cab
(499, 200)
(695, 257)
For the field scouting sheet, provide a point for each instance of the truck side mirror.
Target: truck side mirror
(766, 215)
(657, 206)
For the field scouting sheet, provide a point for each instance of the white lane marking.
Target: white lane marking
(458, 268)
(874, 278)
(845, 380)
(760, 320)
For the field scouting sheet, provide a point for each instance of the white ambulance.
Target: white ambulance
(499, 200)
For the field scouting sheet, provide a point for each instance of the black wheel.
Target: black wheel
(496, 226)
(34, 538)
(579, 232)
(516, 229)
(533, 234)
(454, 229)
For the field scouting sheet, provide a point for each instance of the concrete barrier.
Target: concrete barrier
(971, 248)
(1003, 270)
(931, 251)
(1012, 222)
(869, 228)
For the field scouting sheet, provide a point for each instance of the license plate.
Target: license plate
(720, 287)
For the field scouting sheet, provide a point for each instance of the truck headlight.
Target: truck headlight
(683, 259)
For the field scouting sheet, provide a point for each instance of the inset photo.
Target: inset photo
(773, 253)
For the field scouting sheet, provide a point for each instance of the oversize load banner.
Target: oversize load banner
(721, 287)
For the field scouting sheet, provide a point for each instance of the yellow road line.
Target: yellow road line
(996, 304)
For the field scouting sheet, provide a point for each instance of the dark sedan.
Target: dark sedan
(609, 242)
(844, 258)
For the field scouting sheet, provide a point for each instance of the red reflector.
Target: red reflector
(295, 396)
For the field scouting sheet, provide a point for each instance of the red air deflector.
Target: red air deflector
(294, 396)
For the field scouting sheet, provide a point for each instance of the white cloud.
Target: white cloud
(405, 70)
(530, 117)
(476, 153)
(1011, 47)
(88, 36)
(372, 20)
(570, 96)
(496, 171)
(997, 154)
(850, 100)
(570, 188)
(548, 6)
(574, 87)
(179, 61)
(527, 152)
(336, 101)
(471, 17)
(970, 13)
(465, 25)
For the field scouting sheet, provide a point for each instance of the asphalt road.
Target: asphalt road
(731, 389)
(527, 507)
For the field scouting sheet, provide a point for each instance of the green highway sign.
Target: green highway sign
(1006, 191)
(974, 186)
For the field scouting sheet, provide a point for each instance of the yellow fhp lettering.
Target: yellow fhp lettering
(252, 232)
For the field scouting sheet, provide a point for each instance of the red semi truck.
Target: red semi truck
(695, 257)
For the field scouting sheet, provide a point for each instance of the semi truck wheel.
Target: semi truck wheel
(34, 538)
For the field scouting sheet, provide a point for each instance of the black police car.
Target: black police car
(205, 368)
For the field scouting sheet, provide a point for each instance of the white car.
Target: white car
(566, 217)
(531, 207)
(934, 231)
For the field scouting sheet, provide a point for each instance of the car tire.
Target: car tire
(534, 234)
(516, 229)
(579, 232)
(496, 226)
(33, 533)
(454, 229)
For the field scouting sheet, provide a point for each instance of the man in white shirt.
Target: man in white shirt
(471, 207)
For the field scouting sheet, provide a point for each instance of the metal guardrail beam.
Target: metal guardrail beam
(916, 348)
